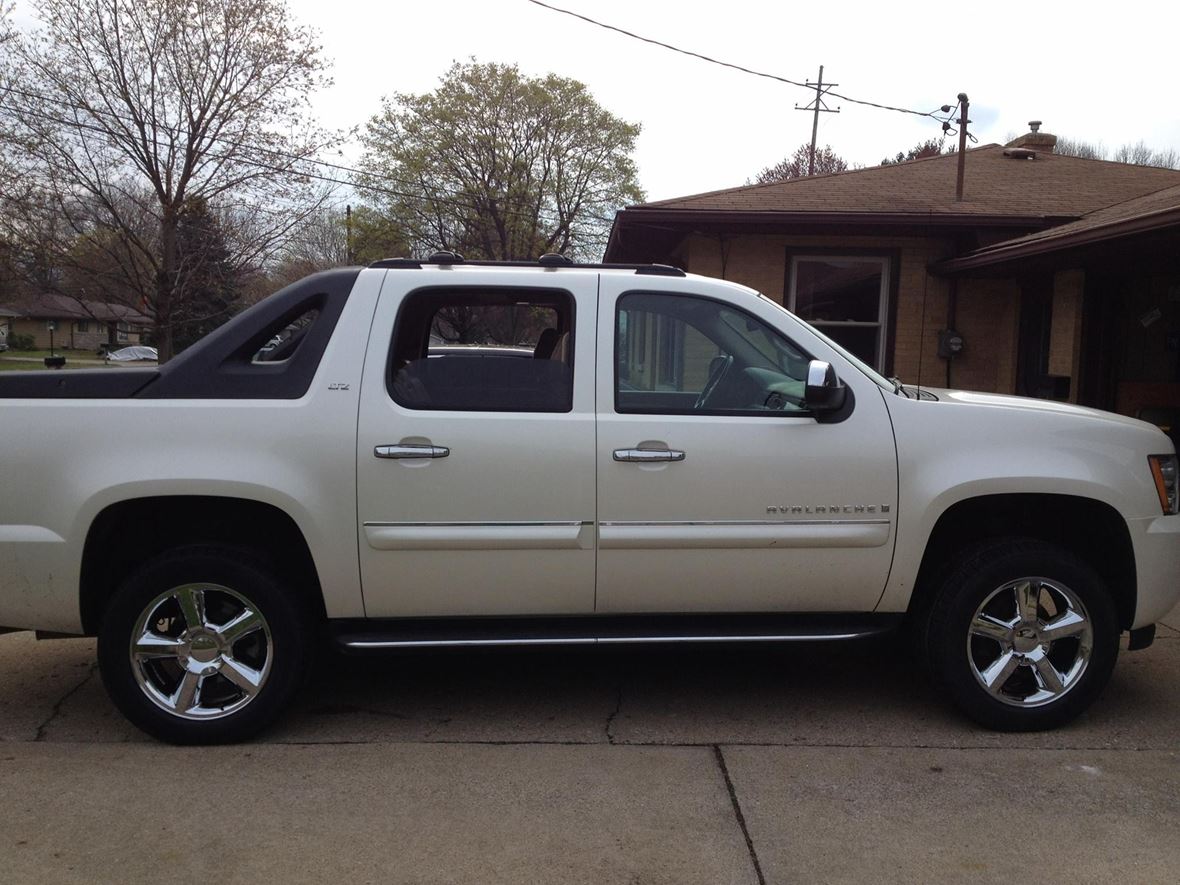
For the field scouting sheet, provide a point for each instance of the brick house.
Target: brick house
(1060, 275)
(77, 324)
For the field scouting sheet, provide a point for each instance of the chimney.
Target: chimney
(1034, 139)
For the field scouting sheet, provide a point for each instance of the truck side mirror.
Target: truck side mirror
(824, 392)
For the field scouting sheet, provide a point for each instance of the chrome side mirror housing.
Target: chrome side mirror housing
(824, 392)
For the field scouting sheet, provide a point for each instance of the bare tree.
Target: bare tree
(1139, 154)
(795, 166)
(131, 111)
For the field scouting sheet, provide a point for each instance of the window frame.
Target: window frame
(711, 413)
(401, 317)
(887, 306)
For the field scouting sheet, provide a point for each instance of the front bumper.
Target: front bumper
(1156, 541)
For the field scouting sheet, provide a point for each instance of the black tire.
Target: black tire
(962, 656)
(271, 647)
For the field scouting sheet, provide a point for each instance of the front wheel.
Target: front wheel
(202, 645)
(1022, 634)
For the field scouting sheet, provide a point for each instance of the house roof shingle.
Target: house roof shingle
(1049, 186)
(48, 306)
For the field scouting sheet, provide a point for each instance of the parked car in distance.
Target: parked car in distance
(669, 458)
(133, 354)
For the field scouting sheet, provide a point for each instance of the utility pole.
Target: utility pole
(962, 121)
(815, 107)
(348, 233)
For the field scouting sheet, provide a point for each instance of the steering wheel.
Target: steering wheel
(719, 370)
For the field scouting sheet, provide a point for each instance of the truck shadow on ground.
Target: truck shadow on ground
(865, 693)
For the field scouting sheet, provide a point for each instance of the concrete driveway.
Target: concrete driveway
(821, 764)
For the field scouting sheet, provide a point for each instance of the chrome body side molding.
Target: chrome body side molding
(568, 535)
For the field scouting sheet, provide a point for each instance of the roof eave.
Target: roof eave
(1003, 254)
(630, 216)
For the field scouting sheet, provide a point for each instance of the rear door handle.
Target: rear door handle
(403, 452)
(648, 455)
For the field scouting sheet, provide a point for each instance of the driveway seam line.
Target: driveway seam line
(610, 720)
(43, 728)
(737, 812)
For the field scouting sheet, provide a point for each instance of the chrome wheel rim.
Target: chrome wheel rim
(201, 651)
(1030, 642)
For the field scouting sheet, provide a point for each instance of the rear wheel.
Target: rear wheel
(1022, 634)
(202, 645)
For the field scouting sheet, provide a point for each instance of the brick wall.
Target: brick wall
(67, 336)
(987, 316)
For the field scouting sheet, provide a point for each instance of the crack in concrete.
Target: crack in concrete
(610, 720)
(43, 728)
(737, 811)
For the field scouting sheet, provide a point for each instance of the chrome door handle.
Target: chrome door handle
(648, 455)
(402, 452)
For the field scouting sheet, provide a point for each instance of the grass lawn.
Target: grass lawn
(34, 360)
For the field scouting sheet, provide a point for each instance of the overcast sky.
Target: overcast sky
(1094, 72)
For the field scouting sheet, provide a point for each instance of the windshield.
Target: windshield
(876, 376)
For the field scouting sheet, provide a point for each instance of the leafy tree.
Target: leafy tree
(207, 275)
(795, 166)
(932, 147)
(131, 112)
(495, 164)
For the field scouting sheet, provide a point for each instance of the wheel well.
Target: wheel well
(1091, 530)
(127, 534)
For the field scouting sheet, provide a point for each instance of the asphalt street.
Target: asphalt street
(804, 764)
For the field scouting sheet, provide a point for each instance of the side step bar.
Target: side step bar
(407, 633)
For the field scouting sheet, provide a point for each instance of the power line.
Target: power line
(725, 64)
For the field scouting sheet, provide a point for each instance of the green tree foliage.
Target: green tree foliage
(130, 112)
(932, 147)
(206, 275)
(795, 166)
(495, 164)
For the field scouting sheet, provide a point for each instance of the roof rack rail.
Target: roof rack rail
(549, 261)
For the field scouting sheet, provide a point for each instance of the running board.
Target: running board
(359, 635)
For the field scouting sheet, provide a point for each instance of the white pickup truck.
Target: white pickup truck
(439, 452)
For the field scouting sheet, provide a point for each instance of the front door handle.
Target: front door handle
(402, 452)
(647, 456)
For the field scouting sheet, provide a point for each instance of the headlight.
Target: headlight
(1163, 469)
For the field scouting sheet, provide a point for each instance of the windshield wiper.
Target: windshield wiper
(898, 387)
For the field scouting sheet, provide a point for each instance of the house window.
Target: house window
(845, 297)
(82, 326)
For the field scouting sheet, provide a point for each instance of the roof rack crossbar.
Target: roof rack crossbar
(548, 262)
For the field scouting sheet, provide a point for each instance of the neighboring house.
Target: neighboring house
(1060, 275)
(77, 324)
(5, 317)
